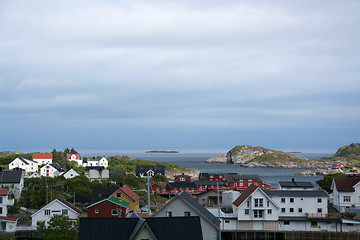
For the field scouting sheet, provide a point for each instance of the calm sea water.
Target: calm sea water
(196, 160)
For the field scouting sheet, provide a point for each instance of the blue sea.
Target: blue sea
(196, 158)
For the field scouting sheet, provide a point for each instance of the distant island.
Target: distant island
(161, 151)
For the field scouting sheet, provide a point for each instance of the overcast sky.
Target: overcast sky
(179, 74)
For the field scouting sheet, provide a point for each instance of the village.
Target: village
(211, 206)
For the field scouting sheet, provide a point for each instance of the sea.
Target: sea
(196, 159)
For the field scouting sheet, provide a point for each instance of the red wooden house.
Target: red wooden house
(176, 187)
(338, 165)
(182, 178)
(111, 207)
(203, 186)
(155, 188)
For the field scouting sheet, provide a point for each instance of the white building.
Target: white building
(12, 181)
(57, 206)
(8, 224)
(51, 170)
(5, 202)
(42, 158)
(102, 162)
(71, 173)
(76, 158)
(25, 165)
(346, 194)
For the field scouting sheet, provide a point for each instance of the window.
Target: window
(282, 209)
(203, 200)
(286, 222)
(300, 210)
(319, 210)
(268, 203)
(248, 203)
(258, 202)
(96, 210)
(169, 214)
(1, 211)
(349, 224)
(114, 212)
(282, 199)
(187, 214)
(269, 211)
(319, 200)
(258, 213)
(64, 212)
(227, 221)
(47, 211)
(347, 198)
(313, 224)
(118, 195)
(291, 199)
(246, 211)
(1, 199)
(291, 209)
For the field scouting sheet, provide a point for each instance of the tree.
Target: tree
(60, 227)
(73, 151)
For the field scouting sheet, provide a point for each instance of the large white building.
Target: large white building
(51, 170)
(12, 181)
(27, 166)
(102, 162)
(76, 158)
(42, 158)
(346, 194)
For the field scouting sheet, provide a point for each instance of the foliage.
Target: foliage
(348, 150)
(158, 178)
(9, 156)
(7, 237)
(60, 227)
(326, 182)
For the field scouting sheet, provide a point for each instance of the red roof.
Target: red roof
(9, 219)
(245, 195)
(144, 215)
(346, 184)
(69, 205)
(130, 193)
(45, 155)
(68, 156)
(4, 192)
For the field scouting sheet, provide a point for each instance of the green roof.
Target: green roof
(118, 201)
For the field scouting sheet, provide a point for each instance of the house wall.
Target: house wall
(4, 203)
(14, 188)
(71, 174)
(178, 208)
(55, 207)
(350, 227)
(307, 204)
(105, 210)
(307, 226)
(228, 224)
(10, 226)
(344, 206)
(42, 161)
(28, 168)
(145, 233)
(51, 173)
(134, 206)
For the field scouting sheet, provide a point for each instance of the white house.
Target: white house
(57, 206)
(185, 205)
(71, 173)
(51, 170)
(8, 224)
(26, 165)
(102, 162)
(75, 157)
(295, 185)
(12, 181)
(5, 202)
(255, 210)
(42, 158)
(346, 194)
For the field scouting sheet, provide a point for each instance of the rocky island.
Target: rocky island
(161, 151)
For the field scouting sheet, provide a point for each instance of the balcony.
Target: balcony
(335, 216)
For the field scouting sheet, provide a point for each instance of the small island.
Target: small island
(161, 151)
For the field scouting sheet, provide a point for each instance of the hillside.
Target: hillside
(352, 150)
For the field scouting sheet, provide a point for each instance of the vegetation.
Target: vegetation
(348, 150)
(7, 157)
(60, 228)
(326, 182)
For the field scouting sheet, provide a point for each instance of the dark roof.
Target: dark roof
(79, 199)
(99, 168)
(175, 228)
(144, 169)
(245, 195)
(206, 192)
(230, 178)
(69, 205)
(295, 193)
(102, 192)
(203, 211)
(10, 176)
(56, 166)
(247, 177)
(346, 184)
(112, 172)
(182, 185)
(211, 183)
(295, 184)
(24, 160)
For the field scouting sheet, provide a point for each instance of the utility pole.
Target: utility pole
(148, 188)
(47, 201)
(218, 200)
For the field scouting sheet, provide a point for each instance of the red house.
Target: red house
(338, 165)
(176, 187)
(155, 188)
(203, 186)
(182, 178)
(111, 207)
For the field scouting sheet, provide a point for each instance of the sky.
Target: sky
(179, 74)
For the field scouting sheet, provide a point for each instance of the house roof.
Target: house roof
(10, 176)
(68, 156)
(79, 198)
(69, 205)
(102, 192)
(245, 195)
(99, 168)
(102, 174)
(45, 155)
(295, 184)
(211, 183)
(247, 177)
(130, 193)
(62, 201)
(4, 192)
(175, 228)
(9, 219)
(346, 184)
(295, 193)
(118, 201)
(56, 166)
(70, 170)
(144, 169)
(182, 184)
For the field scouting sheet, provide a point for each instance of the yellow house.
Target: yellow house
(126, 194)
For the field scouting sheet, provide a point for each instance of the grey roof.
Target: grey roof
(10, 176)
(247, 177)
(24, 160)
(102, 192)
(295, 184)
(144, 169)
(211, 183)
(295, 193)
(175, 228)
(88, 168)
(203, 211)
(95, 174)
(57, 167)
(182, 185)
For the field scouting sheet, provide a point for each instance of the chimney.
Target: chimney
(293, 179)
